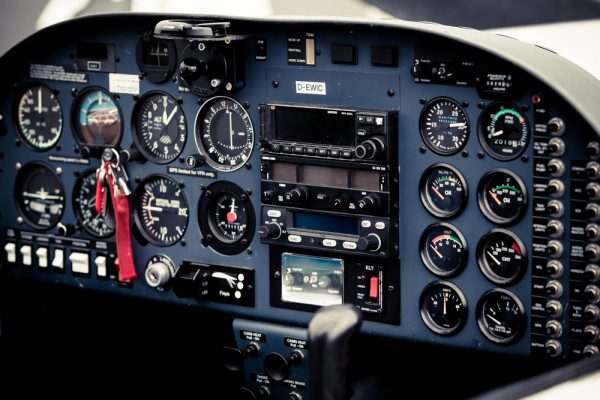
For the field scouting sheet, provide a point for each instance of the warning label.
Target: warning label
(56, 73)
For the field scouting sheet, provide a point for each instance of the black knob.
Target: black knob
(133, 154)
(592, 149)
(328, 281)
(270, 230)
(340, 202)
(298, 194)
(191, 69)
(592, 273)
(591, 312)
(592, 191)
(65, 230)
(553, 348)
(553, 328)
(592, 252)
(591, 333)
(554, 289)
(592, 211)
(195, 160)
(369, 202)
(591, 293)
(278, 366)
(369, 148)
(554, 308)
(370, 242)
(293, 279)
(592, 169)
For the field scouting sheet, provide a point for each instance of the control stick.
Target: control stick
(329, 335)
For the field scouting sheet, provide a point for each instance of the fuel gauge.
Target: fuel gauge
(443, 307)
(501, 316)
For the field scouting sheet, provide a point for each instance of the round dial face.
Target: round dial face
(224, 133)
(501, 256)
(39, 117)
(503, 131)
(443, 191)
(501, 316)
(40, 195)
(443, 249)
(84, 204)
(161, 210)
(160, 129)
(502, 196)
(226, 218)
(97, 118)
(444, 126)
(443, 307)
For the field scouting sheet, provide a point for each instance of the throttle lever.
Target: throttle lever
(329, 334)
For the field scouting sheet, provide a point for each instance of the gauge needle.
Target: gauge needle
(495, 198)
(493, 258)
(438, 193)
(170, 117)
(493, 319)
(152, 208)
(436, 252)
(230, 130)
(39, 100)
(498, 133)
(444, 304)
(457, 125)
(164, 116)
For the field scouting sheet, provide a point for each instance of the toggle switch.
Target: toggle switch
(58, 261)
(80, 263)
(26, 255)
(42, 256)
(11, 252)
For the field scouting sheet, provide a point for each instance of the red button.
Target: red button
(374, 287)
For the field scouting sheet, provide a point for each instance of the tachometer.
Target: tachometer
(40, 195)
(161, 210)
(160, 129)
(444, 126)
(503, 131)
(224, 133)
(39, 118)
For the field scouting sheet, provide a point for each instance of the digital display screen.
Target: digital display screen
(310, 125)
(325, 176)
(326, 223)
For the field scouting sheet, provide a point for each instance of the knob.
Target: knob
(592, 191)
(328, 281)
(592, 211)
(592, 232)
(297, 195)
(191, 69)
(554, 268)
(369, 202)
(556, 147)
(591, 333)
(370, 242)
(591, 293)
(133, 154)
(263, 393)
(157, 274)
(369, 148)
(591, 312)
(592, 273)
(556, 188)
(590, 350)
(553, 328)
(553, 348)
(270, 230)
(195, 160)
(556, 126)
(556, 167)
(339, 202)
(554, 289)
(65, 230)
(278, 366)
(293, 278)
(592, 169)
(593, 150)
(555, 228)
(554, 308)
(592, 252)
(555, 208)
(555, 248)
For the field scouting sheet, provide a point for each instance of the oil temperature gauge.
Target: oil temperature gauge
(501, 316)
(501, 256)
(443, 307)
(502, 196)
(443, 249)
(443, 190)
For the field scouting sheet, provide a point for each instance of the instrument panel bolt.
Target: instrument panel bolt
(275, 84)
(19, 220)
(276, 275)
(391, 288)
(390, 92)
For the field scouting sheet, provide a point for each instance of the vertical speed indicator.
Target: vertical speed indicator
(444, 126)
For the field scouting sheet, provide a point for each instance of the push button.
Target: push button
(374, 288)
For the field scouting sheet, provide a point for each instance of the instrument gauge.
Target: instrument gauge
(224, 133)
(443, 307)
(501, 316)
(444, 126)
(159, 127)
(226, 218)
(84, 204)
(39, 119)
(160, 210)
(502, 196)
(443, 249)
(443, 191)
(501, 256)
(97, 119)
(40, 195)
(503, 131)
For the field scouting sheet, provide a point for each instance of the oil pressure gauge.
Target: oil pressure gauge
(443, 190)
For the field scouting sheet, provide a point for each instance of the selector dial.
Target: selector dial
(370, 242)
(369, 148)
(269, 230)
(298, 194)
